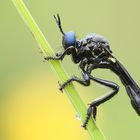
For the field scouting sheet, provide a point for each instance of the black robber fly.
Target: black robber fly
(90, 53)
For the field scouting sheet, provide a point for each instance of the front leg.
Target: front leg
(60, 56)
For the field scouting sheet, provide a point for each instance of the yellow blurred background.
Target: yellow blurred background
(31, 106)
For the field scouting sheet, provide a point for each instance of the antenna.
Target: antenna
(58, 21)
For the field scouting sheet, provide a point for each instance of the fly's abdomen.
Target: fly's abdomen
(134, 94)
(131, 86)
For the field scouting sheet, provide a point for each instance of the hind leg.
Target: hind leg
(92, 110)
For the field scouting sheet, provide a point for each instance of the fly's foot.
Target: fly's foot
(60, 87)
(53, 58)
(58, 54)
(92, 110)
(49, 58)
(67, 82)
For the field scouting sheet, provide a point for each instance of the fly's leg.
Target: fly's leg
(61, 55)
(85, 81)
(83, 64)
(92, 110)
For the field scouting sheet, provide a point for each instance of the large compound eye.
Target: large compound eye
(69, 39)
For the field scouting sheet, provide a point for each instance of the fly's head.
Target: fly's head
(68, 38)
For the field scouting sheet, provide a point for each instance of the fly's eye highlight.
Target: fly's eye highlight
(78, 43)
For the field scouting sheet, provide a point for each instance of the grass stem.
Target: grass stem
(74, 97)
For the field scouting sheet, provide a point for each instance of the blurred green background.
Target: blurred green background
(32, 107)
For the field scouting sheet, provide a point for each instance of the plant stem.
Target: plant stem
(74, 97)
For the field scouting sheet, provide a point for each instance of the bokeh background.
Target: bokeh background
(31, 106)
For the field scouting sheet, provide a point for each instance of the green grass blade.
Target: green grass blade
(74, 97)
